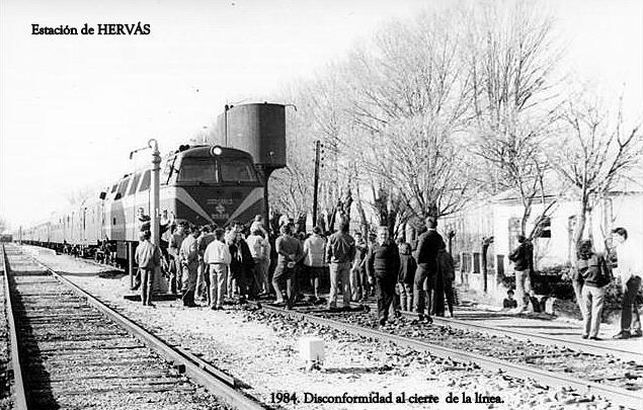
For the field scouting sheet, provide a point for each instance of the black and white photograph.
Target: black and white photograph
(321, 204)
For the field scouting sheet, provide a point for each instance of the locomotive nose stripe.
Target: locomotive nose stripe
(183, 196)
(254, 196)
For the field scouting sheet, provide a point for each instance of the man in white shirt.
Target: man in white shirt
(628, 271)
(260, 251)
(217, 256)
(314, 258)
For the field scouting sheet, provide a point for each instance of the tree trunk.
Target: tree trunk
(526, 213)
(580, 227)
(362, 215)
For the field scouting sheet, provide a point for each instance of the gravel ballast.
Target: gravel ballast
(261, 349)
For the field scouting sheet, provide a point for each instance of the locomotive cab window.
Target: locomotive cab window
(145, 184)
(134, 184)
(236, 170)
(197, 170)
(122, 187)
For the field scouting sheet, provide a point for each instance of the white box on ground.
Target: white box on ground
(311, 349)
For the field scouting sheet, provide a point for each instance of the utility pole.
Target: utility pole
(225, 123)
(316, 180)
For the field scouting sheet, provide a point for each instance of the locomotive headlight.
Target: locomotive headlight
(216, 151)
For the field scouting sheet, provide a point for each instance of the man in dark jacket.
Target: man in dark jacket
(340, 252)
(596, 276)
(522, 257)
(290, 252)
(384, 257)
(148, 258)
(241, 265)
(429, 243)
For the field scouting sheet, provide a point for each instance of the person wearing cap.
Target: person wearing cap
(148, 258)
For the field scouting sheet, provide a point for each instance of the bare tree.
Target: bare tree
(409, 98)
(595, 151)
(511, 59)
(291, 187)
(520, 164)
(77, 196)
(320, 117)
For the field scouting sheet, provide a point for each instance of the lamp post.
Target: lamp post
(155, 213)
(155, 205)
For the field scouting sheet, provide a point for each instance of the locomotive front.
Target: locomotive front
(211, 185)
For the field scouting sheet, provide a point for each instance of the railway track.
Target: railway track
(70, 350)
(577, 345)
(588, 374)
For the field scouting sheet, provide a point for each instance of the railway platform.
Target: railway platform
(541, 324)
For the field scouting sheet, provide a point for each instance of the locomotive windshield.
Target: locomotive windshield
(236, 170)
(212, 171)
(198, 170)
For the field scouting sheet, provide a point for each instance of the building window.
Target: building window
(543, 227)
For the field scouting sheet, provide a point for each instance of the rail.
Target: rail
(551, 340)
(20, 398)
(500, 331)
(217, 382)
(618, 396)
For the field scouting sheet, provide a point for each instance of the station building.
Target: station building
(499, 217)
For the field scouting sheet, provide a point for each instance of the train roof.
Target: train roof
(202, 151)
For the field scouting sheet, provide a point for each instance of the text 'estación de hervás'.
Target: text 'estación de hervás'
(101, 29)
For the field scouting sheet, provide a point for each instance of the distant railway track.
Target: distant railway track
(71, 350)
(544, 364)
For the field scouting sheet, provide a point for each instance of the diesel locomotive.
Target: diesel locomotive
(203, 184)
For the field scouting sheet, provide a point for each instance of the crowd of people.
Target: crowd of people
(593, 271)
(208, 264)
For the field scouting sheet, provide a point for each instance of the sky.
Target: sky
(73, 107)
